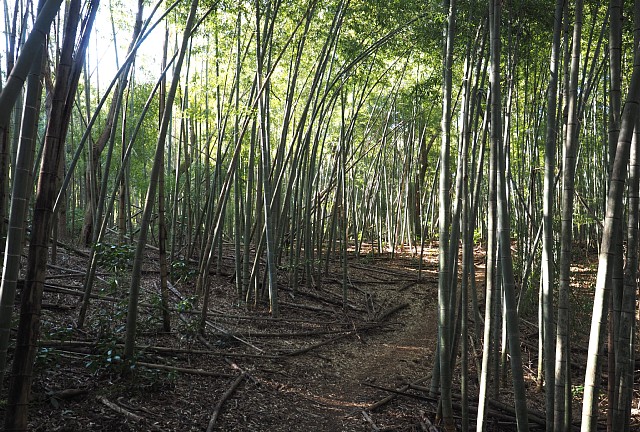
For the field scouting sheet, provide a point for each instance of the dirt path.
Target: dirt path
(323, 389)
(319, 367)
(333, 380)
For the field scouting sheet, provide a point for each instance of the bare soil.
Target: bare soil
(322, 366)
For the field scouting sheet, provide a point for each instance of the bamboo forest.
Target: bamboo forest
(305, 215)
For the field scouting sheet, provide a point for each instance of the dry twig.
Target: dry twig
(184, 370)
(369, 420)
(119, 409)
(225, 396)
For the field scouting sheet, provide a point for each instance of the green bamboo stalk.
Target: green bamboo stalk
(132, 310)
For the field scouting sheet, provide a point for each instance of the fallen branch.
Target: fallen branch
(425, 423)
(302, 334)
(308, 307)
(177, 293)
(354, 282)
(369, 420)
(379, 323)
(119, 409)
(63, 245)
(272, 320)
(77, 293)
(408, 285)
(184, 370)
(392, 396)
(160, 349)
(395, 274)
(222, 400)
(317, 345)
(391, 311)
(72, 345)
(338, 277)
(534, 416)
(46, 305)
(333, 301)
(70, 271)
(281, 320)
(472, 409)
(69, 393)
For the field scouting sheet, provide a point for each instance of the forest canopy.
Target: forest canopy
(273, 140)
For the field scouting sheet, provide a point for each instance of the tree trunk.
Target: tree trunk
(29, 325)
(265, 160)
(13, 87)
(489, 349)
(504, 241)
(548, 277)
(562, 415)
(89, 233)
(625, 364)
(132, 310)
(18, 209)
(445, 320)
(615, 198)
(162, 225)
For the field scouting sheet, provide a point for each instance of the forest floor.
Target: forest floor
(322, 366)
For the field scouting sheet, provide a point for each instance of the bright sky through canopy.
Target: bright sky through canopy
(103, 60)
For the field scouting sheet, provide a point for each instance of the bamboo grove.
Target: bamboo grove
(277, 138)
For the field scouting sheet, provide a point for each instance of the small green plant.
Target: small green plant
(54, 331)
(116, 258)
(62, 333)
(577, 391)
(153, 380)
(368, 258)
(186, 304)
(188, 331)
(45, 357)
(181, 271)
(154, 319)
(109, 321)
(110, 361)
(477, 236)
(113, 287)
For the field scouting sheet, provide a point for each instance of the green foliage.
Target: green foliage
(181, 271)
(115, 257)
(153, 380)
(109, 322)
(577, 391)
(188, 329)
(368, 258)
(57, 333)
(109, 361)
(477, 236)
(186, 304)
(154, 319)
(46, 357)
